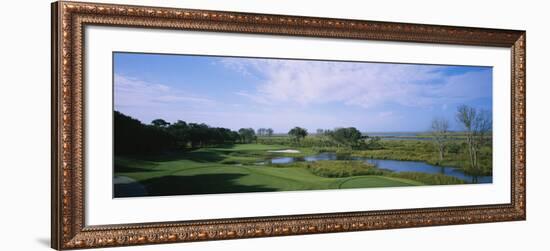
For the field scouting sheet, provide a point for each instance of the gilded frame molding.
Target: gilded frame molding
(68, 226)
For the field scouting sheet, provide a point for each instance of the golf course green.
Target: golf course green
(231, 169)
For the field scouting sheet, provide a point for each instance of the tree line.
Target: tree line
(348, 137)
(265, 132)
(134, 137)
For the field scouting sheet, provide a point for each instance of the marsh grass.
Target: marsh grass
(342, 168)
(336, 168)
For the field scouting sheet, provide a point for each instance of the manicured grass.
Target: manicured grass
(232, 169)
(376, 181)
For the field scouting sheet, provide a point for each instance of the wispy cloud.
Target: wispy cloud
(133, 92)
(359, 84)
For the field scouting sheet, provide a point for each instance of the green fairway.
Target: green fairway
(376, 181)
(231, 169)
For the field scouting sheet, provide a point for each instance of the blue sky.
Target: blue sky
(237, 92)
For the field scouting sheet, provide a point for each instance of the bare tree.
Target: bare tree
(477, 125)
(440, 130)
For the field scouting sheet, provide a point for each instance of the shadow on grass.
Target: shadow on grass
(195, 184)
(119, 168)
(202, 156)
(199, 155)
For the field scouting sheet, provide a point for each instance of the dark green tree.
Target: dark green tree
(180, 130)
(348, 136)
(298, 133)
(160, 123)
(247, 135)
(133, 137)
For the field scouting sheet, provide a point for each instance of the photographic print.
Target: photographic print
(398, 125)
(153, 122)
(192, 124)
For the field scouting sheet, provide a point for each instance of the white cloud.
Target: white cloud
(133, 92)
(359, 84)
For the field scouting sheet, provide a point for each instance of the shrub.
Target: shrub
(338, 169)
(454, 148)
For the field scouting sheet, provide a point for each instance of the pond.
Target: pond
(392, 165)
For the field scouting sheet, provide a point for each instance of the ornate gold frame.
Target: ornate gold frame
(68, 22)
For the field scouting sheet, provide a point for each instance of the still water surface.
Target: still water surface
(392, 165)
